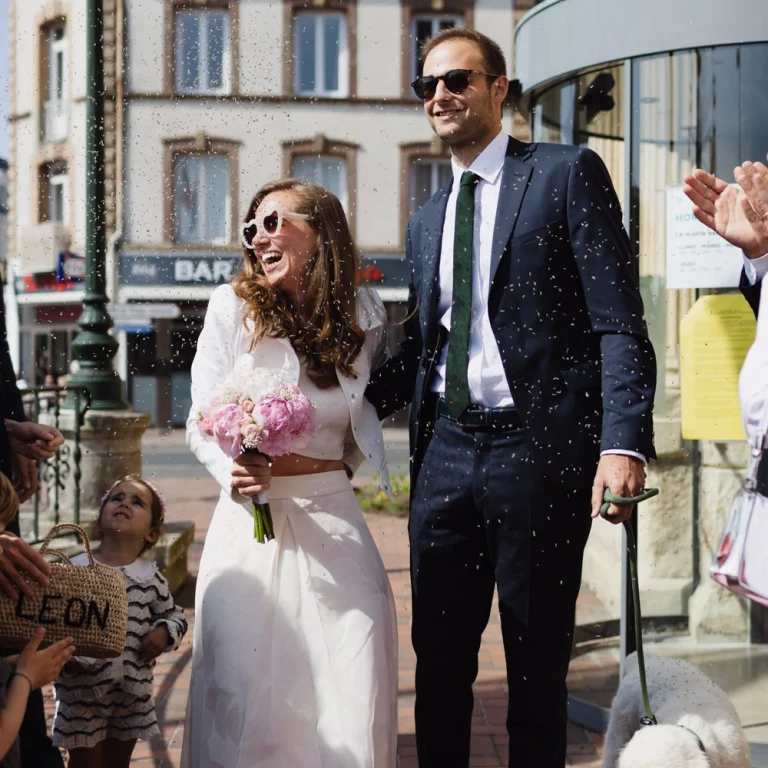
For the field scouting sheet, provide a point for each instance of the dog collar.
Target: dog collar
(697, 737)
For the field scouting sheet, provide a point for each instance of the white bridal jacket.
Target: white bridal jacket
(225, 345)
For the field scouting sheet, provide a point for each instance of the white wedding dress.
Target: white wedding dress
(295, 643)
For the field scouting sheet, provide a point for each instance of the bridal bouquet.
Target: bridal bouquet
(256, 411)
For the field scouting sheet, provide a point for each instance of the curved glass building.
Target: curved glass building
(658, 88)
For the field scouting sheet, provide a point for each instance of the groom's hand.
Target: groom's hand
(251, 474)
(625, 476)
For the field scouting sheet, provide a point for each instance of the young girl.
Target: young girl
(32, 669)
(105, 705)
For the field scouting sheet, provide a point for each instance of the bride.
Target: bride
(295, 645)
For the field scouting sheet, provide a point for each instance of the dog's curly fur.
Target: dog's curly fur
(681, 695)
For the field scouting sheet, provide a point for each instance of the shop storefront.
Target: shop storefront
(45, 308)
(657, 91)
(163, 298)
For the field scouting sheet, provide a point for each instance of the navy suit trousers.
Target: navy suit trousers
(483, 517)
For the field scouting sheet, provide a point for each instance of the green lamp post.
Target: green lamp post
(94, 348)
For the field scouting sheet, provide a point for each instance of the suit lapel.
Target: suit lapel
(431, 245)
(514, 182)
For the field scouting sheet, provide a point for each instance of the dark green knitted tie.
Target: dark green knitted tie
(456, 383)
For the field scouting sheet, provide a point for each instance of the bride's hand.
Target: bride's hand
(251, 474)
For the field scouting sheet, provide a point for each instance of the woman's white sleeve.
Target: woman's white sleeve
(214, 360)
(753, 380)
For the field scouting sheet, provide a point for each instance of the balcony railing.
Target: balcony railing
(55, 123)
(58, 495)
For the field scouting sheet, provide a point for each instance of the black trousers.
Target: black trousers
(37, 750)
(483, 516)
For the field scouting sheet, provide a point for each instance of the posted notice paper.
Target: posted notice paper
(715, 336)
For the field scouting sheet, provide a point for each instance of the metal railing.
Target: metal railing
(45, 404)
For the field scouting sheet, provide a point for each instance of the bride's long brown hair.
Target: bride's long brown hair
(325, 327)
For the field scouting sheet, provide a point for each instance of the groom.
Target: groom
(531, 377)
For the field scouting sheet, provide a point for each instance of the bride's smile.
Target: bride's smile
(285, 255)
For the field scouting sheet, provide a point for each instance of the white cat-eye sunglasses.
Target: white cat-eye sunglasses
(267, 224)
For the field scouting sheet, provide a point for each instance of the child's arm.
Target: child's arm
(15, 705)
(169, 624)
(33, 670)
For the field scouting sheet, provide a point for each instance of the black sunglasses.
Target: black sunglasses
(456, 81)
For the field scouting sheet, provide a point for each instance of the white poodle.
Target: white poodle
(687, 705)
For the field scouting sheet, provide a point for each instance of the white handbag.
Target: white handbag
(740, 563)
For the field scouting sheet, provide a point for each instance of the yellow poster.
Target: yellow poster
(714, 339)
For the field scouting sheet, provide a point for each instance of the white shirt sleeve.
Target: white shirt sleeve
(622, 452)
(755, 269)
(753, 379)
(214, 360)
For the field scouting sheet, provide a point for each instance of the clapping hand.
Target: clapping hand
(753, 180)
(732, 212)
(153, 644)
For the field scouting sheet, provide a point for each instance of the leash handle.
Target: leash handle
(608, 499)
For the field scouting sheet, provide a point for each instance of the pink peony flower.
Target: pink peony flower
(206, 426)
(276, 443)
(274, 414)
(227, 429)
(303, 420)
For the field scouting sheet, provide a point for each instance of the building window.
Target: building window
(330, 172)
(320, 54)
(54, 193)
(201, 200)
(420, 20)
(202, 52)
(55, 125)
(425, 168)
(332, 164)
(426, 176)
(424, 26)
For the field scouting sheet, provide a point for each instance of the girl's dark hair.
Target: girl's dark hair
(157, 507)
(326, 328)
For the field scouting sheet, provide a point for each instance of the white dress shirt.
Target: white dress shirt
(487, 381)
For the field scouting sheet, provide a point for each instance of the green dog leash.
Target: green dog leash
(608, 499)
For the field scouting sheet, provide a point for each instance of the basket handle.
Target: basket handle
(56, 553)
(71, 527)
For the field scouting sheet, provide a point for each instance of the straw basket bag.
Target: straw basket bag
(88, 603)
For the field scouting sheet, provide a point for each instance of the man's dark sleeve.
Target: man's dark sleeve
(751, 292)
(10, 398)
(611, 288)
(391, 386)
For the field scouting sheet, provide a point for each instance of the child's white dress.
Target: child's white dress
(112, 698)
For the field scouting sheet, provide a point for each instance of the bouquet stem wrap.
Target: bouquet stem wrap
(263, 529)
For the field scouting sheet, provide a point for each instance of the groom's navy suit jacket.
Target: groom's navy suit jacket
(565, 310)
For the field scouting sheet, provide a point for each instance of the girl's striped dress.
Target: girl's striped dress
(112, 698)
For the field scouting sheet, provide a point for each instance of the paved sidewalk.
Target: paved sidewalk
(194, 499)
